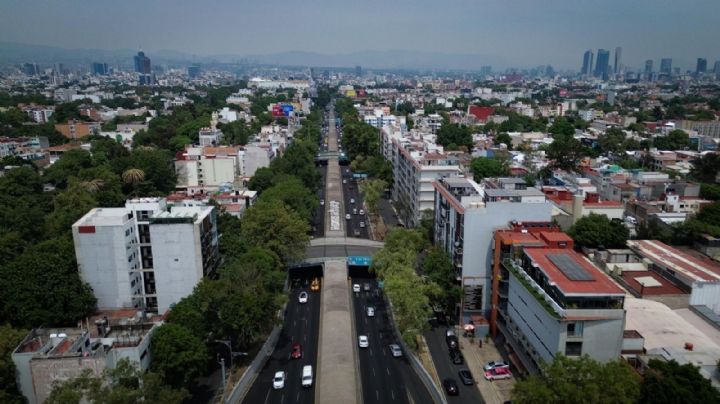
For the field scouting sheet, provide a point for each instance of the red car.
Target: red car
(296, 352)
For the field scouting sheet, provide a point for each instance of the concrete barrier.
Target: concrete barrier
(243, 385)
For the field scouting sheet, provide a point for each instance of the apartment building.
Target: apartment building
(77, 129)
(548, 299)
(207, 166)
(417, 162)
(466, 213)
(39, 113)
(48, 355)
(143, 256)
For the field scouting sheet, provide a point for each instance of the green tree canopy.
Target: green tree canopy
(178, 355)
(670, 382)
(455, 134)
(597, 230)
(675, 140)
(10, 338)
(706, 168)
(486, 167)
(271, 225)
(583, 379)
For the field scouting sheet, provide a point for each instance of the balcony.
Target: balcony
(540, 295)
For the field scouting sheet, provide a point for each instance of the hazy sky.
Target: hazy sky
(520, 32)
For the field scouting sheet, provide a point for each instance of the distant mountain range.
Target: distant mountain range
(11, 52)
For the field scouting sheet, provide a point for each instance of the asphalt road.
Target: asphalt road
(351, 191)
(385, 379)
(301, 325)
(435, 339)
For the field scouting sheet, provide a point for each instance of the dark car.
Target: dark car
(466, 377)
(452, 341)
(451, 387)
(456, 357)
(296, 352)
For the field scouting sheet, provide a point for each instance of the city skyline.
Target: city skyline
(521, 34)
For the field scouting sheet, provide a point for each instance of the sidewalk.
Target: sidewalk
(496, 392)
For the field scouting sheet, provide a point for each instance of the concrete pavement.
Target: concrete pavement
(337, 361)
(496, 392)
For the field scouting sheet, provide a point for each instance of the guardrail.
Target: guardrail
(427, 380)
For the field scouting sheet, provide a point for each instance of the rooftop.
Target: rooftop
(104, 217)
(571, 273)
(663, 255)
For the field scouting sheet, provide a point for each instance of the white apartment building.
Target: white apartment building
(129, 255)
(466, 214)
(207, 166)
(254, 156)
(378, 119)
(39, 114)
(417, 163)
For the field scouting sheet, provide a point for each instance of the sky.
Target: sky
(507, 32)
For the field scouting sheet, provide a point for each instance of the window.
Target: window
(575, 329)
(573, 348)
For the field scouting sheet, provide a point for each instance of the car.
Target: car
(322, 202)
(356, 232)
(303, 297)
(296, 351)
(495, 365)
(307, 376)
(362, 212)
(356, 288)
(366, 287)
(347, 216)
(344, 181)
(498, 374)
(451, 387)
(279, 380)
(352, 200)
(456, 357)
(362, 224)
(395, 350)
(466, 377)
(449, 333)
(452, 341)
(315, 285)
(363, 341)
(354, 211)
(371, 312)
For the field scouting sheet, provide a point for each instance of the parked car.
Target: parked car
(456, 357)
(362, 212)
(322, 202)
(452, 341)
(451, 387)
(303, 297)
(496, 365)
(498, 374)
(466, 377)
(362, 224)
(363, 341)
(279, 380)
(347, 216)
(296, 351)
(352, 200)
(395, 350)
(366, 287)
(371, 312)
(356, 287)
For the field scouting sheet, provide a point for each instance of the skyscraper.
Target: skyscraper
(716, 70)
(648, 67)
(701, 67)
(666, 66)
(587, 63)
(358, 71)
(603, 64)
(99, 69)
(618, 60)
(193, 70)
(142, 66)
(30, 69)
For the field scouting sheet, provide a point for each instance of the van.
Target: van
(307, 376)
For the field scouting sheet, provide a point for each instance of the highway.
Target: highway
(318, 221)
(301, 325)
(385, 379)
(351, 192)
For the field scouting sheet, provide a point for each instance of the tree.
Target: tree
(124, 384)
(440, 270)
(372, 190)
(675, 140)
(291, 191)
(503, 138)
(485, 167)
(612, 141)
(596, 230)
(9, 339)
(455, 134)
(670, 382)
(273, 226)
(565, 152)
(570, 380)
(706, 168)
(178, 355)
(70, 205)
(262, 180)
(562, 127)
(63, 298)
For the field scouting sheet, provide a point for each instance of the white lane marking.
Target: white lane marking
(294, 323)
(388, 371)
(370, 350)
(282, 398)
(373, 369)
(297, 397)
(267, 395)
(392, 393)
(377, 394)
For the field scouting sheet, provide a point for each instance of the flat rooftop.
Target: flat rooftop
(572, 273)
(104, 217)
(499, 192)
(663, 255)
(649, 283)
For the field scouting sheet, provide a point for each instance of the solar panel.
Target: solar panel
(572, 269)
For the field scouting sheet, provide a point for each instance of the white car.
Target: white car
(395, 350)
(352, 200)
(356, 288)
(371, 312)
(279, 380)
(363, 341)
(303, 297)
(322, 202)
(347, 216)
(344, 181)
(362, 212)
